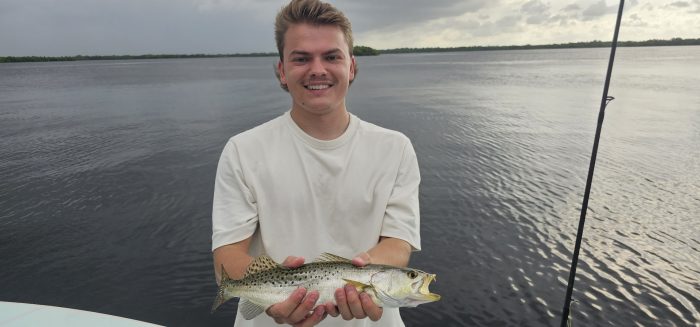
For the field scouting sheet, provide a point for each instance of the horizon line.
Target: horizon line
(582, 44)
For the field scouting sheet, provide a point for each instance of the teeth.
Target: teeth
(317, 87)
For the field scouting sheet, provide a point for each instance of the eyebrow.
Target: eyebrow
(306, 53)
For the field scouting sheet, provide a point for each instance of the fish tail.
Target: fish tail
(220, 299)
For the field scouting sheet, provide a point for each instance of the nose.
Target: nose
(317, 68)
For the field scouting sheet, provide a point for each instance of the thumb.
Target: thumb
(362, 259)
(293, 262)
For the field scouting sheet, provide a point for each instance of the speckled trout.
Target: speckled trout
(266, 283)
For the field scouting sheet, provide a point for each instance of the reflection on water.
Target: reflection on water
(107, 174)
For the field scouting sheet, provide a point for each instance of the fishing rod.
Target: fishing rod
(584, 207)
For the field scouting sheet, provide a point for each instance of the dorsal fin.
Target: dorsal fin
(328, 257)
(224, 276)
(261, 263)
(220, 298)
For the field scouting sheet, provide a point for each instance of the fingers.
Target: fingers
(354, 302)
(349, 304)
(331, 309)
(313, 318)
(373, 311)
(301, 312)
(294, 308)
(280, 311)
(342, 302)
(362, 259)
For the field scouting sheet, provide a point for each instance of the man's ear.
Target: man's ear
(280, 71)
(353, 68)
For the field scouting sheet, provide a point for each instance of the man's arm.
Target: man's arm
(234, 258)
(390, 251)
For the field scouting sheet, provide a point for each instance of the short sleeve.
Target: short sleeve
(402, 216)
(234, 212)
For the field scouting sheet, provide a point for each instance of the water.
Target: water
(107, 168)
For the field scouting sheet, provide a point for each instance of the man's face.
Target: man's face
(317, 67)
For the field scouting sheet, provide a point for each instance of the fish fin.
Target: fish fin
(220, 299)
(249, 310)
(224, 275)
(261, 263)
(328, 257)
(360, 286)
(385, 300)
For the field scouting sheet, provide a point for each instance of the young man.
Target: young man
(316, 179)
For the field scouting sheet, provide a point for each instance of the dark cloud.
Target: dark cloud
(508, 22)
(483, 27)
(636, 21)
(534, 7)
(598, 9)
(679, 4)
(567, 15)
(71, 27)
(562, 20)
(535, 11)
(692, 8)
(572, 7)
(368, 15)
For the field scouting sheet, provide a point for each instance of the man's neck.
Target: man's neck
(328, 126)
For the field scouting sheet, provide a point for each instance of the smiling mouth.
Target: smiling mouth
(318, 86)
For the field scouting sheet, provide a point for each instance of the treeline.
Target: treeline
(590, 44)
(360, 50)
(367, 51)
(127, 57)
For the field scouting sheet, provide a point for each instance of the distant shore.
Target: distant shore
(365, 51)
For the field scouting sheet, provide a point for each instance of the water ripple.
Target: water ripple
(107, 182)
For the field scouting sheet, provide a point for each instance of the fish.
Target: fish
(266, 283)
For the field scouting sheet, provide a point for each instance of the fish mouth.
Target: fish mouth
(424, 293)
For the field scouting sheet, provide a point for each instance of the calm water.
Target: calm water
(107, 168)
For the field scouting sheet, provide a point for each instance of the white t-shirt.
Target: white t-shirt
(301, 196)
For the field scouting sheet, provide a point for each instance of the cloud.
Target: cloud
(522, 22)
(369, 15)
(679, 4)
(693, 7)
(260, 9)
(572, 7)
(536, 12)
(635, 21)
(534, 7)
(598, 9)
(69, 27)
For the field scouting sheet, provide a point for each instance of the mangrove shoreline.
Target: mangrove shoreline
(366, 51)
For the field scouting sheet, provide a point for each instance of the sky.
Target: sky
(132, 27)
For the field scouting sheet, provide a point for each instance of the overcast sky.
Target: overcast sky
(100, 27)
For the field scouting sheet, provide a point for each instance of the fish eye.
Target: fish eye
(412, 274)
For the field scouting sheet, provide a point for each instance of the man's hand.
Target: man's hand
(296, 310)
(352, 304)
